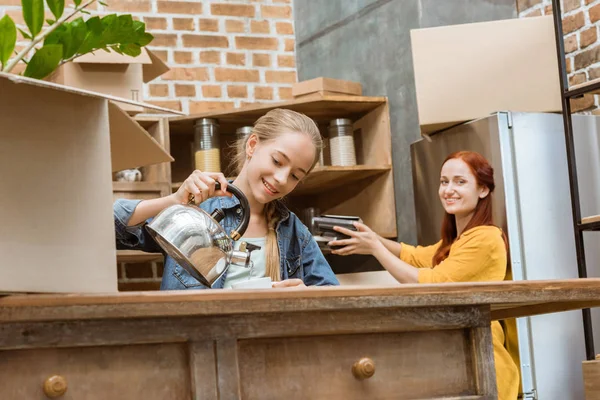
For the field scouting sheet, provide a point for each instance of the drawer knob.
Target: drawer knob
(55, 386)
(363, 368)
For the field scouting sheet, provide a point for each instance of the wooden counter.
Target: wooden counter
(421, 341)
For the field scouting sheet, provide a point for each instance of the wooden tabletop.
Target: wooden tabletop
(506, 299)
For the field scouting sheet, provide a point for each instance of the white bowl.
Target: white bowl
(258, 283)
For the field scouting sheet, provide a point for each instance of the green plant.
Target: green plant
(64, 41)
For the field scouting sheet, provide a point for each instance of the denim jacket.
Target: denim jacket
(299, 253)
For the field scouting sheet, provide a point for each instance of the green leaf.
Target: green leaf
(85, 12)
(44, 61)
(130, 49)
(25, 34)
(33, 14)
(8, 39)
(57, 7)
(50, 21)
(77, 2)
(103, 4)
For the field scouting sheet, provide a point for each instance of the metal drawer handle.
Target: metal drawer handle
(363, 368)
(55, 386)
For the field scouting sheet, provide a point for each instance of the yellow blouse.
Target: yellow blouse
(478, 255)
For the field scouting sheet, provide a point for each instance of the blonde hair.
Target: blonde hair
(269, 127)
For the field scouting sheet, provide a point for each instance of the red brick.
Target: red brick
(197, 107)
(236, 59)
(155, 23)
(183, 57)
(577, 79)
(211, 91)
(183, 24)
(256, 43)
(573, 22)
(589, 1)
(548, 10)
(571, 43)
(159, 90)
(170, 104)
(594, 13)
(236, 75)
(210, 57)
(569, 65)
(534, 13)
(588, 37)
(130, 6)
(289, 45)
(162, 54)
(260, 27)
(587, 57)
(594, 73)
(570, 5)
(232, 10)
(208, 25)
(138, 270)
(263, 93)
(584, 103)
(205, 41)
(186, 74)
(235, 26)
(164, 40)
(276, 11)
(261, 60)
(185, 90)
(179, 7)
(284, 28)
(285, 93)
(280, 76)
(286, 61)
(237, 91)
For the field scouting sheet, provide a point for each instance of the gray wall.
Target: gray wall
(368, 41)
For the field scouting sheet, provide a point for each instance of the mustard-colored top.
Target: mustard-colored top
(478, 255)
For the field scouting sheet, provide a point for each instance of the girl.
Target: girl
(472, 249)
(280, 152)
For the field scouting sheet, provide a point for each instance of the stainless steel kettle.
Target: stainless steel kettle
(197, 241)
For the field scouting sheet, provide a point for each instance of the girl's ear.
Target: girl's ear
(251, 144)
(483, 192)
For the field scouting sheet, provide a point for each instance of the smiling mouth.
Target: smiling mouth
(270, 189)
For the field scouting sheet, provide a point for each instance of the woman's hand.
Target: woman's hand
(363, 241)
(202, 186)
(290, 283)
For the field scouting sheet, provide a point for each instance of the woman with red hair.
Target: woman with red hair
(472, 248)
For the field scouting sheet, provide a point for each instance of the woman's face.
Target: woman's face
(459, 191)
(277, 166)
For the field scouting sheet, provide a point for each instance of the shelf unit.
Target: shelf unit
(365, 190)
(156, 182)
(580, 224)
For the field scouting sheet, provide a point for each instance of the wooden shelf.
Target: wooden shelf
(324, 178)
(589, 220)
(321, 108)
(590, 87)
(136, 256)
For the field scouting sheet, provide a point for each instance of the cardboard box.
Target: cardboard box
(112, 73)
(464, 72)
(326, 86)
(58, 148)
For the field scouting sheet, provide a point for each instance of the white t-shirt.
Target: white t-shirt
(258, 263)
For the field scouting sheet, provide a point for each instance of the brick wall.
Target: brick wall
(580, 27)
(222, 54)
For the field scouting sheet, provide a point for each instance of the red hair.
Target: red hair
(484, 175)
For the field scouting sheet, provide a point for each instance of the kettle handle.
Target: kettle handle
(237, 233)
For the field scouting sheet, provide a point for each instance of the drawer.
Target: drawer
(146, 372)
(411, 365)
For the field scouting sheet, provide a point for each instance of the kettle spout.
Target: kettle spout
(242, 256)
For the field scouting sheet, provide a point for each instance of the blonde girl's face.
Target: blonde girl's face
(459, 191)
(277, 166)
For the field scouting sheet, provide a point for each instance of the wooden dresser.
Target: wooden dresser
(402, 342)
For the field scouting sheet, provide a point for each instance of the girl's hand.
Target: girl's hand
(202, 186)
(290, 283)
(363, 241)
